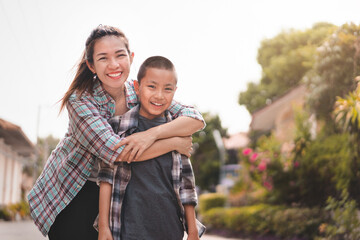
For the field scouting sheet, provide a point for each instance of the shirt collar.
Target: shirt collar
(100, 95)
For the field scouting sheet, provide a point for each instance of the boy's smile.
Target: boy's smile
(155, 91)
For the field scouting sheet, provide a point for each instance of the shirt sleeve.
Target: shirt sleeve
(106, 173)
(92, 130)
(188, 193)
(177, 109)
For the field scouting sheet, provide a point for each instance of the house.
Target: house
(15, 150)
(279, 116)
(233, 144)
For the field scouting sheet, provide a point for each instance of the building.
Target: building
(15, 150)
(279, 116)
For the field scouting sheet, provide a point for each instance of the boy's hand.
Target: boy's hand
(105, 234)
(184, 145)
(193, 236)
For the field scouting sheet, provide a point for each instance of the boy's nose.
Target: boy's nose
(159, 94)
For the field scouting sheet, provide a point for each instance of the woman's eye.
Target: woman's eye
(169, 89)
(103, 58)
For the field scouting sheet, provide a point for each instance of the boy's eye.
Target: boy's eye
(121, 55)
(151, 86)
(169, 89)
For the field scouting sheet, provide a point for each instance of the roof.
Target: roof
(264, 119)
(15, 137)
(236, 141)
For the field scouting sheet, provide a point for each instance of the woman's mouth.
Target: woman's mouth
(114, 75)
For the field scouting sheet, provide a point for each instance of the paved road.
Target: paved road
(26, 230)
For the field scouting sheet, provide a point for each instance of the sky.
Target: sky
(213, 44)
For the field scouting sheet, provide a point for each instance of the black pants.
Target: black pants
(75, 222)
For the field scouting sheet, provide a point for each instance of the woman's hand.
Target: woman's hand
(135, 145)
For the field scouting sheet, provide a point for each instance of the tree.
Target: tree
(206, 158)
(284, 59)
(337, 64)
(44, 147)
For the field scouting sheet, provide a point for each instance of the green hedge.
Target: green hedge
(265, 220)
(211, 200)
(9, 212)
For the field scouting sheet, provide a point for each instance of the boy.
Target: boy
(148, 200)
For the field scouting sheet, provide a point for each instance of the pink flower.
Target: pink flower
(268, 185)
(253, 157)
(247, 151)
(296, 164)
(262, 166)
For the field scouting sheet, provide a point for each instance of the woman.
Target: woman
(64, 200)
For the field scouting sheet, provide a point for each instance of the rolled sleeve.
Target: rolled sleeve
(188, 193)
(177, 109)
(106, 173)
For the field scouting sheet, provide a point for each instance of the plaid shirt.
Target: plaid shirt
(119, 175)
(89, 137)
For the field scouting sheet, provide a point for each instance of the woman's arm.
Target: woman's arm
(92, 130)
(137, 143)
(183, 145)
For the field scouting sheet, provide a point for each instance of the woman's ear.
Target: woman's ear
(131, 57)
(136, 87)
(90, 66)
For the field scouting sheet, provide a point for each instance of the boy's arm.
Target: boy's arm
(192, 231)
(104, 210)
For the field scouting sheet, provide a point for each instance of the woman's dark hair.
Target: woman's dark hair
(158, 62)
(83, 80)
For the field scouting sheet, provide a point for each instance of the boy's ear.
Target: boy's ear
(136, 86)
(90, 67)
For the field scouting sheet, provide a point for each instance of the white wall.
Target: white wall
(10, 175)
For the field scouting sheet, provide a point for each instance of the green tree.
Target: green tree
(284, 59)
(337, 64)
(206, 158)
(44, 147)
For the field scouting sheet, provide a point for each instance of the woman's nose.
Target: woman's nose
(113, 63)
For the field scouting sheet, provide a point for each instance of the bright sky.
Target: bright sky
(213, 45)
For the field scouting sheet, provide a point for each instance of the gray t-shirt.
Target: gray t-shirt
(150, 210)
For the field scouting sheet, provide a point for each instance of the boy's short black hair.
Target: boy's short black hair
(158, 62)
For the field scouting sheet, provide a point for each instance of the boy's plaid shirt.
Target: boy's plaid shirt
(89, 137)
(119, 175)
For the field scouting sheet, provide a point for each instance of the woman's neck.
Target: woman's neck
(118, 94)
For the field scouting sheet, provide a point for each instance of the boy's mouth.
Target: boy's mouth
(157, 104)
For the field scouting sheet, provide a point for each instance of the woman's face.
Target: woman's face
(111, 63)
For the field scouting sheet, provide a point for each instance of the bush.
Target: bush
(265, 219)
(211, 200)
(10, 211)
(5, 214)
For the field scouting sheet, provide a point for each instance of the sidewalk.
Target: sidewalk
(26, 230)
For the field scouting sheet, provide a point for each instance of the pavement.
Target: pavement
(26, 230)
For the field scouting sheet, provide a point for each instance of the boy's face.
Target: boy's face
(155, 91)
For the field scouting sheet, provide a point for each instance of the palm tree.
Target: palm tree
(347, 111)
